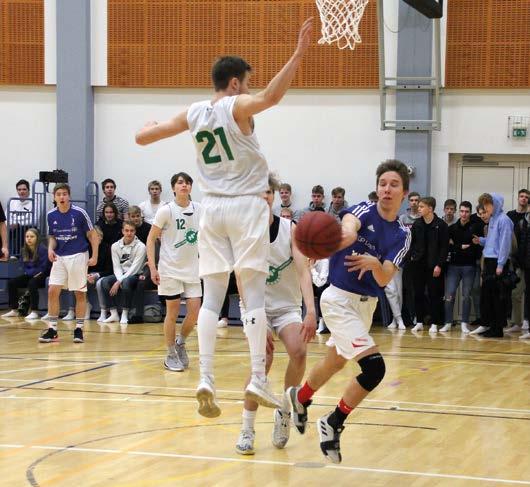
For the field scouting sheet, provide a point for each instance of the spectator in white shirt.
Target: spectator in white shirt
(128, 259)
(20, 210)
(150, 206)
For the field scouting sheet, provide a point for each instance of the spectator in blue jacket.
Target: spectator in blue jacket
(36, 270)
(497, 246)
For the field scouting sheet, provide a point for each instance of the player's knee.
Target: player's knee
(372, 371)
(298, 355)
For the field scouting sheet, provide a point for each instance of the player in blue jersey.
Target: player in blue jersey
(373, 246)
(70, 233)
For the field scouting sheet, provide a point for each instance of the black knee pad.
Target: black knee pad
(372, 371)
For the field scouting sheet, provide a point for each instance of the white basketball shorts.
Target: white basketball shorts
(70, 272)
(170, 286)
(349, 318)
(233, 234)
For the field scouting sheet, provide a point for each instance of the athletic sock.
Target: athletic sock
(337, 417)
(305, 393)
(171, 350)
(79, 323)
(255, 327)
(207, 335)
(249, 418)
(53, 322)
(181, 340)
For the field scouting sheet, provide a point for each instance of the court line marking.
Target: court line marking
(388, 356)
(48, 367)
(317, 396)
(191, 400)
(270, 462)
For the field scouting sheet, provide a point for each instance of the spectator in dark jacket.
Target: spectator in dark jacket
(110, 224)
(36, 269)
(430, 240)
(522, 233)
(518, 315)
(142, 227)
(461, 267)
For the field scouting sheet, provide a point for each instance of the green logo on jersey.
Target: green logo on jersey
(190, 237)
(275, 272)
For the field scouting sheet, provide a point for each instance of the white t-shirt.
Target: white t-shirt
(230, 163)
(22, 210)
(149, 210)
(179, 254)
(283, 286)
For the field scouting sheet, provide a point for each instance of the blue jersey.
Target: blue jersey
(377, 236)
(69, 230)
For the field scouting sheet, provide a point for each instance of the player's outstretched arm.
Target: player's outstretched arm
(154, 131)
(154, 234)
(306, 286)
(248, 105)
(350, 226)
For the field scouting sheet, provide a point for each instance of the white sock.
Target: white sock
(181, 340)
(255, 327)
(249, 418)
(171, 350)
(207, 335)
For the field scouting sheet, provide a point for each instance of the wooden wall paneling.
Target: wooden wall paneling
(22, 42)
(488, 44)
(173, 43)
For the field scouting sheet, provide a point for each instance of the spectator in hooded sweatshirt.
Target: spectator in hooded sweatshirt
(317, 202)
(338, 203)
(497, 245)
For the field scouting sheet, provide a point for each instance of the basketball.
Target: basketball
(318, 235)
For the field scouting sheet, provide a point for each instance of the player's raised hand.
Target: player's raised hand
(304, 37)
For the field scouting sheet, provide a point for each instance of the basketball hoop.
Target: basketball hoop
(340, 21)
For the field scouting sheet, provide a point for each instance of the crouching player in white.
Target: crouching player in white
(69, 230)
(289, 279)
(177, 225)
(372, 249)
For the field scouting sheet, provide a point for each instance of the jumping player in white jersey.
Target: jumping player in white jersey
(234, 225)
(373, 246)
(177, 226)
(289, 279)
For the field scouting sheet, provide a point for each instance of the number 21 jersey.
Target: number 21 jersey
(230, 162)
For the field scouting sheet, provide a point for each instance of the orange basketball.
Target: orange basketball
(318, 235)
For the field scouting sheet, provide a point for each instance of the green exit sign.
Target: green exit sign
(519, 132)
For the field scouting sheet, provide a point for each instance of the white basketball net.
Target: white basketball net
(340, 21)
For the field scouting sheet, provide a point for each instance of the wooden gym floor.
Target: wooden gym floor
(451, 411)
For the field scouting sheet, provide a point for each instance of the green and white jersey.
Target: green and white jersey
(230, 162)
(283, 286)
(179, 255)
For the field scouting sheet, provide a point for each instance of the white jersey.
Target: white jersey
(283, 286)
(149, 210)
(230, 162)
(179, 255)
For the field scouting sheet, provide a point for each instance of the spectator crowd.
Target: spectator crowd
(473, 250)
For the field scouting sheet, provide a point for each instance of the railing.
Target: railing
(18, 221)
